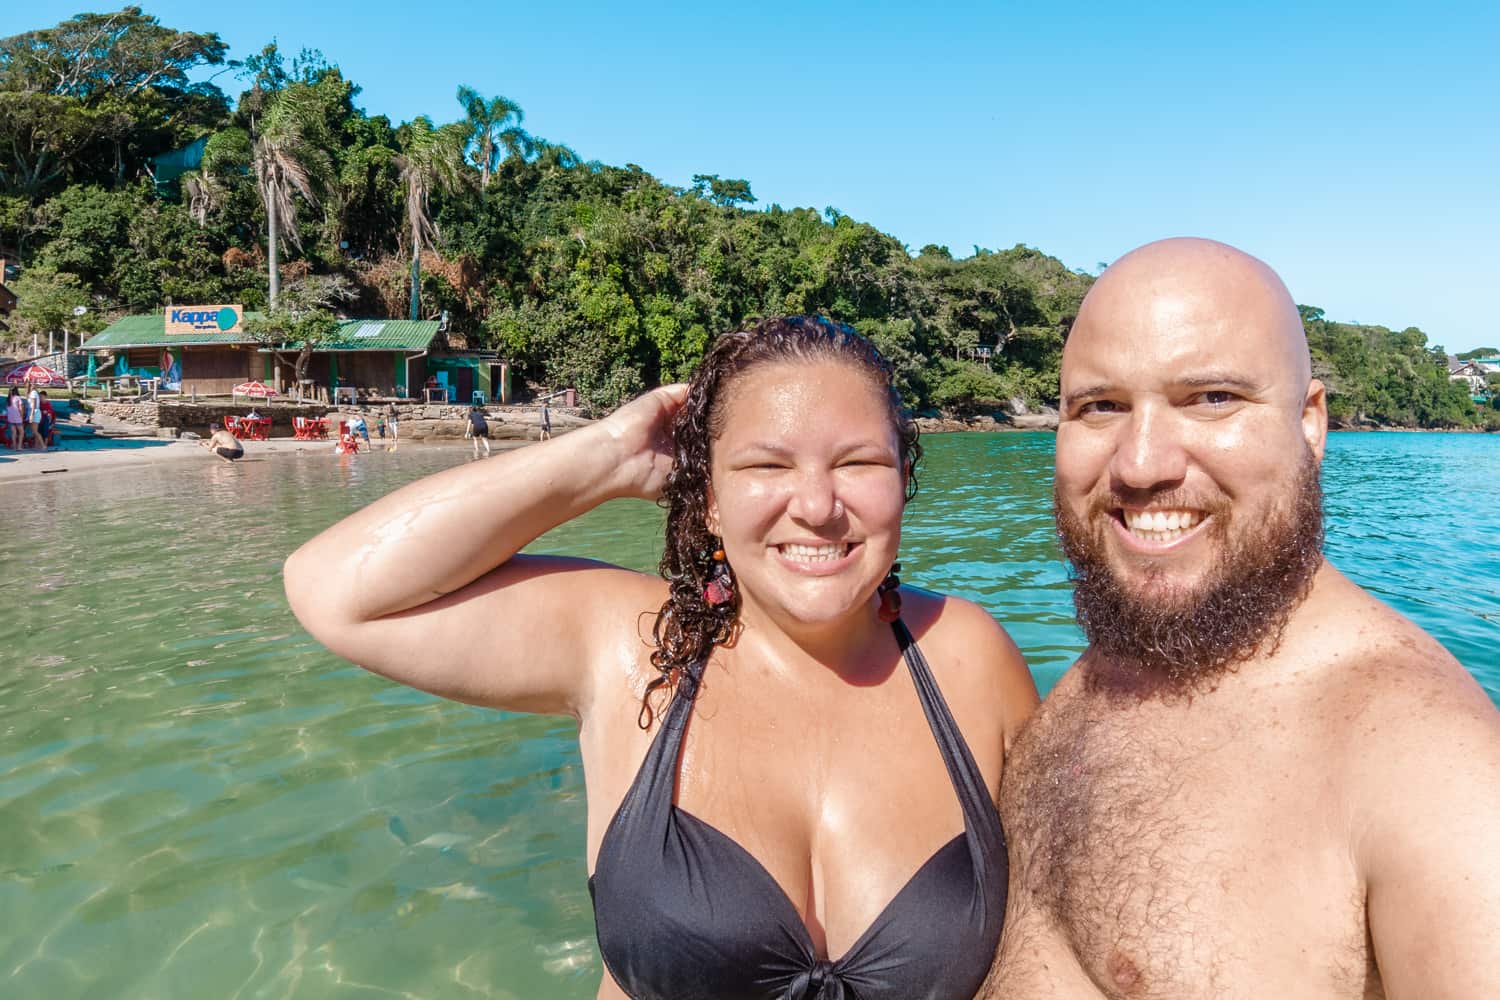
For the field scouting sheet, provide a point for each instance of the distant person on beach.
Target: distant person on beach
(357, 426)
(786, 798)
(224, 444)
(15, 418)
(33, 428)
(478, 430)
(48, 425)
(391, 421)
(545, 423)
(1258, 780)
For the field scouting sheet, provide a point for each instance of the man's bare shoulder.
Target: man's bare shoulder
(1388, 677)
(1416, 751)
(1405, 724)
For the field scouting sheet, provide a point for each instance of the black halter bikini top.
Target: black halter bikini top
(685, 913)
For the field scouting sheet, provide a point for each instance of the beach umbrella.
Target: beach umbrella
(33, 374)
(253, 389)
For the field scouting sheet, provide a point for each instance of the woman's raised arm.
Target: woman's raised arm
(424, 586)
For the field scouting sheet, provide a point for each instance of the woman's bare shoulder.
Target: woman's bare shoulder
(973, 657)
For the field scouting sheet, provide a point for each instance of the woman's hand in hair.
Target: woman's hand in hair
(642, 432)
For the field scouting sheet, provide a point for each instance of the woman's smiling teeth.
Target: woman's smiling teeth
(814, 553)
(1161, 526)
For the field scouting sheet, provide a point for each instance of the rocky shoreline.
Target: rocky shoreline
(1046, 420)
(987, 423)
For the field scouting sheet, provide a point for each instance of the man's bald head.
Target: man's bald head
(1187, 288)
(1187, 458)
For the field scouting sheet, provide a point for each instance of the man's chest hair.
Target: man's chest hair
(1142, 833)
(1101, 811)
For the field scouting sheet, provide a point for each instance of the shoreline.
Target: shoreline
(127, 452)
(927, 426)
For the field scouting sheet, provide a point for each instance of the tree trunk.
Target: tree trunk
(303, 357)
(416, 274)
(275, 272)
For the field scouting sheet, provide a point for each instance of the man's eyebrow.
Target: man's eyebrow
(1223, 380)
(1087, 392)
(1204, 380)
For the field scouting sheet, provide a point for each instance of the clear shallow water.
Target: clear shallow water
(197, 801)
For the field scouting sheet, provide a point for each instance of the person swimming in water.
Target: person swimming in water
(787, 796)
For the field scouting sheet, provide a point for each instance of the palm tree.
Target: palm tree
(206, 194)
(494, 128)
(226, 159)
(289, 159)
(432, 159)
(553, 157)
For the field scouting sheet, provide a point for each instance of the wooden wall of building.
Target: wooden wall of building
(214, 371)
(372, 370)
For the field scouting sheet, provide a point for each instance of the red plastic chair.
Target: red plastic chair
(232, 425)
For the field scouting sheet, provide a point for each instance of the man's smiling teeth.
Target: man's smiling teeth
(1161, 525)
(814, 553)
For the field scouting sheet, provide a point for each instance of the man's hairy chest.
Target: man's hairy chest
(1176, 854)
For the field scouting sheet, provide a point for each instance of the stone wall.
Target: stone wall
(419, 422)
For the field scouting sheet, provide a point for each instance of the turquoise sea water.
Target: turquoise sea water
(198, 801)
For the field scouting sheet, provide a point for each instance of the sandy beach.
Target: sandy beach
(86, 456)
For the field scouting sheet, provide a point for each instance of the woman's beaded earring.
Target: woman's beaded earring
(720, 589)
(890, 595)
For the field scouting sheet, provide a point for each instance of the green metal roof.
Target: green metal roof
(383, 335)
(353, 335)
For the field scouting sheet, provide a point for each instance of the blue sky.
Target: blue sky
(1355, 148)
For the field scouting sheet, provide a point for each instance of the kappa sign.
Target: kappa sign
(204, 319)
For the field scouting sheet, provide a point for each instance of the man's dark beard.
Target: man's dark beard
(1186, 642)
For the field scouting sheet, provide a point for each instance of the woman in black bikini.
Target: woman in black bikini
(786, 799)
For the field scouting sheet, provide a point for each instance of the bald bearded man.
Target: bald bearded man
(1258, 781)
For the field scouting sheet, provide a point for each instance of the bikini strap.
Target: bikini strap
(651, 794)
(981, 819)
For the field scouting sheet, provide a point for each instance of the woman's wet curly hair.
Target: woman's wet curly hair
(688, 627)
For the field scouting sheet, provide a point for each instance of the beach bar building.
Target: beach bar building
(379, 356)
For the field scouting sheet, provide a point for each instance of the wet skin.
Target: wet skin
(807, 744)
(1299, 830)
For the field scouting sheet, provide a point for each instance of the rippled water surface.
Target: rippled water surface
(197, 801)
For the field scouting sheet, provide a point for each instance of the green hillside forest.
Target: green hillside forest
(586, 274)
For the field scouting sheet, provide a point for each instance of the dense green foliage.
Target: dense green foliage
(1379, 376)
(585, 274)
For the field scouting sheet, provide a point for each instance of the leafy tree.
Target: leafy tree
(75, 97)
(47, 301)
(968, 388)
(725, 192)
(304, 322)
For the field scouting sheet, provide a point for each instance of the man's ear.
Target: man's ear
(1315, 417)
